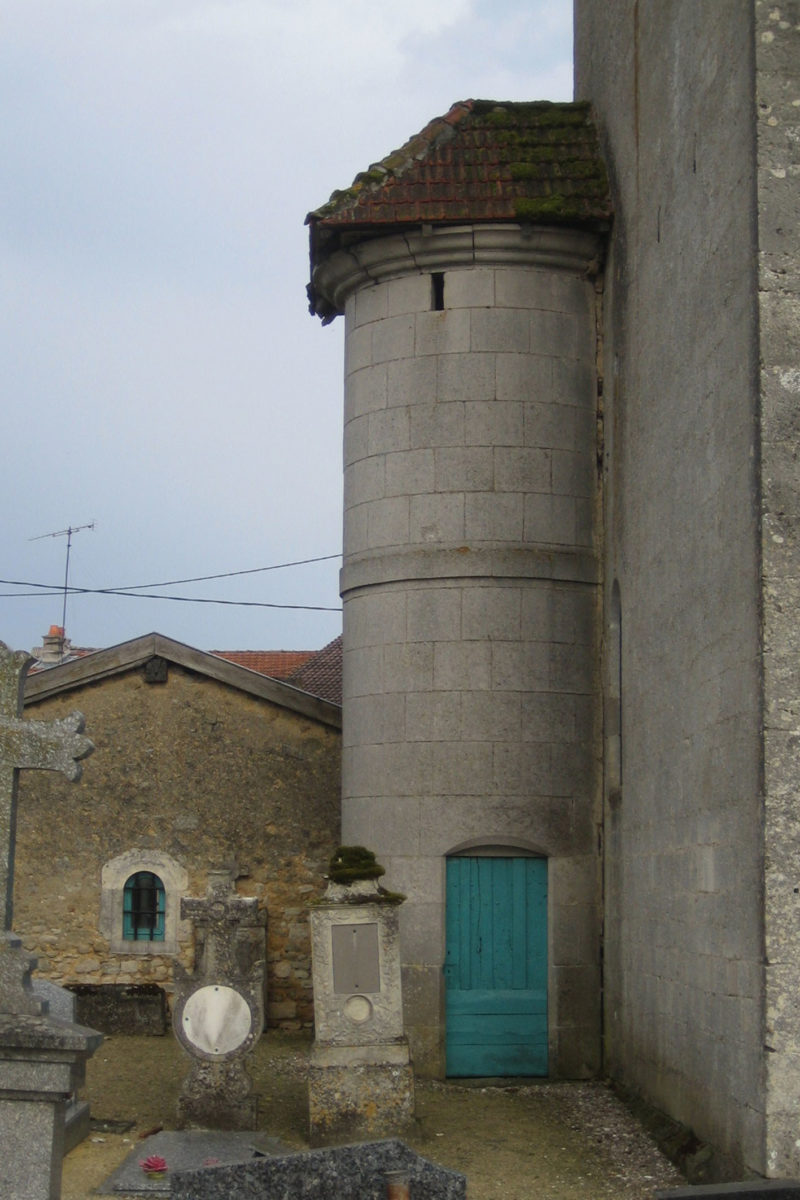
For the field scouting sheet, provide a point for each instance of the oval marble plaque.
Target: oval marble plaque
(357, 1009)
(216, 1019)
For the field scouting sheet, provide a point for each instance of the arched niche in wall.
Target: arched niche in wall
(120, 871)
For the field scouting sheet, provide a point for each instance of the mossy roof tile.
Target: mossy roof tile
(484, 160)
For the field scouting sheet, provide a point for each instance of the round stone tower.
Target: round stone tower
(466, 266)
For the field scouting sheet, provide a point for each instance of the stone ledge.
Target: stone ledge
(468, 562)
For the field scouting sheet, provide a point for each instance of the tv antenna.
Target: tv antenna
(67, 533)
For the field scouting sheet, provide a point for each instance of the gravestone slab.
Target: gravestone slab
(218, 1013)
(183, 1150)
(336, 1173)
(775, 1189)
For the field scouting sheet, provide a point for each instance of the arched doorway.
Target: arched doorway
(496, 964)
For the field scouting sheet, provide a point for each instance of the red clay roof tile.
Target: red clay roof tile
(321, 675)
(279, 664)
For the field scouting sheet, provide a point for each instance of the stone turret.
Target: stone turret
(466, 266)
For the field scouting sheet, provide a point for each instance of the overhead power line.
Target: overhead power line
(301, 562)
(50, 590)
(134, 591)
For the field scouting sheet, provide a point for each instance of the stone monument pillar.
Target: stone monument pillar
(218, 1014)
(42, 1059)
(361, 1080)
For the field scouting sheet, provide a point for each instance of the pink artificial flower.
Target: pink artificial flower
(155, 1164)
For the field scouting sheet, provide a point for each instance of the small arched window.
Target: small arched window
(143, 908)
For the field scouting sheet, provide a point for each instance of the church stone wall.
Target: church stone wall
(777, 44)
(199, 772)
(470, 586)
(672, 84)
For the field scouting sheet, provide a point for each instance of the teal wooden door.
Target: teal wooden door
(496, 966)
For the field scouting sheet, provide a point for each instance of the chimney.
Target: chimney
(54, 648)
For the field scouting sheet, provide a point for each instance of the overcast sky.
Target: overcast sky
(161, 375)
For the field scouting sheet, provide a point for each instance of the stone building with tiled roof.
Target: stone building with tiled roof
(199, 762)
(570, 569)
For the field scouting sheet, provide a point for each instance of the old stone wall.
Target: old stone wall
(672, 83)
(470, 590)
(777, 42)
(200, 772)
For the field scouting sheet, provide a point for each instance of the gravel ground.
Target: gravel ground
(551, 1141)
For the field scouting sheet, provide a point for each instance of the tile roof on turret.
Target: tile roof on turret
(485, 160)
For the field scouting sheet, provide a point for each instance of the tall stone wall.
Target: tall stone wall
(470, 591)
(195, 770)
(672, 83)
(777, 42)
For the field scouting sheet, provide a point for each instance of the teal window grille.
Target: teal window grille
(143, 908)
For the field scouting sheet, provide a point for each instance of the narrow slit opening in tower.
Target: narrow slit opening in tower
(437, 290)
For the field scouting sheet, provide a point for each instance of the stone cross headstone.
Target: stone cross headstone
(42, 1058)
(24, 745)
(218, 1014)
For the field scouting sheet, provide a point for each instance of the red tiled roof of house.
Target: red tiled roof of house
(322, 674)
(279, 664)
(484, 160)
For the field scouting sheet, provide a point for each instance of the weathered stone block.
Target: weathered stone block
(370, 305)
(435, 425)
(367, 390)
(411, 294)
(469, 289)
(364, 480)
(524, 469)
(465, 377)
(550, 520)
(493, 517)
(462, 665)
(503, 330)
(358, 349)
(438, 518)
(491, 716)
(464, 469)
(408, 667)
(409, 472)
(520, 666)
(388, 522)
(392, 338)
(468, 772)
(442, 332)
(432, 613)
(411, 381)
(494, 423)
